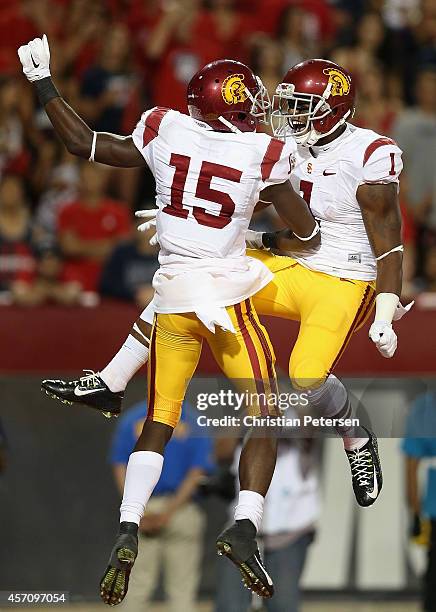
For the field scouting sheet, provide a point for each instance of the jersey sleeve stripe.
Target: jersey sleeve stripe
(271, 157)
(380, 142)
(152, 125)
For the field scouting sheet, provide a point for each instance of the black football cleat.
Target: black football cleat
(238, 543)
(89, 390)
(115, 581)
(366, 471)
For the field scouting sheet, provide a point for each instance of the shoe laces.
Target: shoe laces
(90, 381)
(362, 466)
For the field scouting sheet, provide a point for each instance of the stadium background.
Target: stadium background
(62, 308)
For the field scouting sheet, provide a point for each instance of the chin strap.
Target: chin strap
(313, 136)
(231, 127)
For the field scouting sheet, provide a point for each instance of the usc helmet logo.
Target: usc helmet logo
(233, 89)
(340, 81)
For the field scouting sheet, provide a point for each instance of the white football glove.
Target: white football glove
(149, 214)
(35, 57)
(384, 337)
(253, 240)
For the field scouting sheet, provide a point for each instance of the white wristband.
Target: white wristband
(93, 146)
(316, 229)
(385, 307)
(396, 249)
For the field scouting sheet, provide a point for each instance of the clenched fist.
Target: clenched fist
(35, 58)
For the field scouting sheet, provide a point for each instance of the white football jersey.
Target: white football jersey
(207, 185)
(328, 178)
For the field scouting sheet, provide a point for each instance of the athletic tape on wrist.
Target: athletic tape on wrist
(385, 307)
(46, 90)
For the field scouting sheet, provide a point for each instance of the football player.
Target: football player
(349, 178)
(210, 168)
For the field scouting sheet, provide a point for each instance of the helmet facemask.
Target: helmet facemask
(261, 102)
(293, 114)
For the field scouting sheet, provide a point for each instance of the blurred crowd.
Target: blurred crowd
(66, 228)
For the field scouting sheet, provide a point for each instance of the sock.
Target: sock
(143, 472)
(250, 506)
(131, 356)
(332, 400)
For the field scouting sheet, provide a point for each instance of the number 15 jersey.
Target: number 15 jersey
(207, 185)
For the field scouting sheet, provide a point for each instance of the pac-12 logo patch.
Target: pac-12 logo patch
(233, 89)
(341, 83)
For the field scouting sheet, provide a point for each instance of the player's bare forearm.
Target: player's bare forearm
(293, 211)
(286, 241)
(77, 136)
(382, 218)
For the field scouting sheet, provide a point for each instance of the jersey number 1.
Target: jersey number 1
(203, 191)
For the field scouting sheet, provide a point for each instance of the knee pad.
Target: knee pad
(165, 411)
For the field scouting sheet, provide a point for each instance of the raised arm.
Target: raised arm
(303, 233)
(78, 138)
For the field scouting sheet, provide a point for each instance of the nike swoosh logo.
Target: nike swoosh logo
(325, 173)
(374, 493)
(79, 392)
(268, 578)
(33, 62)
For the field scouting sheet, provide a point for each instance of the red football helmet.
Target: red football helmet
(227, 96)
(315, 98)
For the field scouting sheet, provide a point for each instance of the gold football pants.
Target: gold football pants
(246, 357)
(330, 309)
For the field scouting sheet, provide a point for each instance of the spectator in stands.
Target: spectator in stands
(296, 36)
(49, 283)
(109, 86)
(91, 227)
(292, 508)
(360, 57)
(375, 109)
(415, 132)
(16, 258)
(426, 54)
(62, 188)
(230, 29)
(267, 62)
(83, 25)
(13, 156)
(171, 530)
(129, 271)
(115, 58)
(184, 39)
(419, 445)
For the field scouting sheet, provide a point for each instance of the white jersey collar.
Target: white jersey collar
(334, 144)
